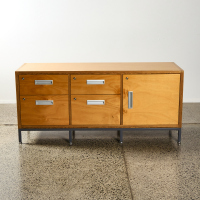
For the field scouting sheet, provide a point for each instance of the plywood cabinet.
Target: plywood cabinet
(99, 95)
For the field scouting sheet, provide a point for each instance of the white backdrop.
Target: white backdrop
(100, 31)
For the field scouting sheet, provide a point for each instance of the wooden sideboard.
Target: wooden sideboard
(117, 96)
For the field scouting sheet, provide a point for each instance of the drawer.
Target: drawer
(95, 109)
(95, 84)
(43, 84)
(44, 110)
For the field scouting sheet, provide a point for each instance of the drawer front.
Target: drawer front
(95, 84)
(95, 109)
(151, 99)
(44, 110)
(43, 84)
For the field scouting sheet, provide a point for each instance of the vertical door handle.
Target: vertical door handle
(130, 99)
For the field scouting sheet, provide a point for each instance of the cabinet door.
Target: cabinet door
(151, 99)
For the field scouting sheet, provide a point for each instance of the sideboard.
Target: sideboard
(99, 96)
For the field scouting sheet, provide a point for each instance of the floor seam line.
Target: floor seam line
(8, 124)
(123, 153)
(192, 123)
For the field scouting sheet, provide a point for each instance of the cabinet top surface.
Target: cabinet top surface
(163, 67)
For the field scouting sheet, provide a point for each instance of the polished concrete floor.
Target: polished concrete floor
(149, 164)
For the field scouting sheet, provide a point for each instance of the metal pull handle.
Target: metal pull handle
(95, 82)
(43, 82)
(44, 102)
(95, 102)
(130, 99)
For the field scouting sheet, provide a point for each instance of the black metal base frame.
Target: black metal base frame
(120, 131)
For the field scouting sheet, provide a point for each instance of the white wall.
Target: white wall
(100, 31)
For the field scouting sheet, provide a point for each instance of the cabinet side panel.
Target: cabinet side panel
(69, 99)
(121, 99)
(181, 99)
(155, 99)
(18, 99)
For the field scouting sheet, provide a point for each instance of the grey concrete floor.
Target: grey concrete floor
(149, 164)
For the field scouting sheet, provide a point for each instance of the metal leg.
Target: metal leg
(70, 137)
(179, 136)
(121, 136)
(20, 136)
(118, 134)
(73, 134)
(170, 133)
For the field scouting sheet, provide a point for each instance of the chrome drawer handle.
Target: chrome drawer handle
(43, 82)
(44, 102)
(95, 82)
(130, 99)
(95, 102)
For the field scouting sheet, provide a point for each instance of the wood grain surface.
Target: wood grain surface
(181, 99)
(80, 86)
(56, 114)
(155, 99)
(80, 68)
(28, 87)
(18, 100)
(96, 126)
(108, 114)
